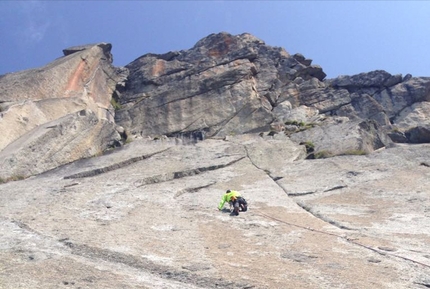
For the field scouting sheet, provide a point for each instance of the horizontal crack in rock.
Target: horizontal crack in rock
(113, 167)
(182, 174)
(300, 194)
(316, 192)
(335, 188)
(192, 190)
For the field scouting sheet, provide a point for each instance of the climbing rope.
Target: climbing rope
(352, 241)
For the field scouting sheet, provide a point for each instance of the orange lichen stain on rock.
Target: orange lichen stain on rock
(158, 67)
(222, 48)
(73, 83)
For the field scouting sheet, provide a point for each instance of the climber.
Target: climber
(235, 200)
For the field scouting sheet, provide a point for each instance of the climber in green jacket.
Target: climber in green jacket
(234, 199)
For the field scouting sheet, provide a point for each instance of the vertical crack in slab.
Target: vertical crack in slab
(304, 207)
(323, 218)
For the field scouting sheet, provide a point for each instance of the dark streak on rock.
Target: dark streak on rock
(183, 174)
(165, 272)
(335, 188)
(192, 190)
(300, 194)
(423, 284)
(113, 167)
(323, 218)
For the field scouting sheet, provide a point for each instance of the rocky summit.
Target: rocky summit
(110, 177)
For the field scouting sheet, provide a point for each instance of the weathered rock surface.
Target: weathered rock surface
(33, 100)
(145, 216)
(120, 171)
(243, 78)
(224, 85)
(67, 139)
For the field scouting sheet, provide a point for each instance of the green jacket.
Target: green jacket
(227, 198)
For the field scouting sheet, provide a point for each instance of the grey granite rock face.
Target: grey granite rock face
(145, 216)
(224, 85)
(232, 84)
(31, 100)
(61, 141)
(111, 177)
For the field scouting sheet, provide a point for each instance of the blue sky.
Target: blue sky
(344, 37)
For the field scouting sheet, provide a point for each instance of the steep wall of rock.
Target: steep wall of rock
(225, 85)
(228, 85)
(82, 80)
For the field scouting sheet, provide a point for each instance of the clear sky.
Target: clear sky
(344, 37)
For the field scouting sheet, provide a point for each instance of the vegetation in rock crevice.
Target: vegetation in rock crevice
(115, 104)
(310, 148)
(300, 124)
(12, 179)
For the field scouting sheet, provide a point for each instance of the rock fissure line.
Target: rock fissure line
(301, 194)
(315, 192)
(189, 125)
(92, 77)
(300, 205)
(423, 284)
(197, 70)
(192, 190)
(335, 188)
(181, 174)
(178, 99)
(323, 218)
(332, 223)
(203, 91)
(332, 109)
(113, 167)
(224, 123)
(349, 240)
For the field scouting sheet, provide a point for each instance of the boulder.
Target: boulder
(303, 60)
(396, 98)
(412, 116)
(376, 78)
(419, 134)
